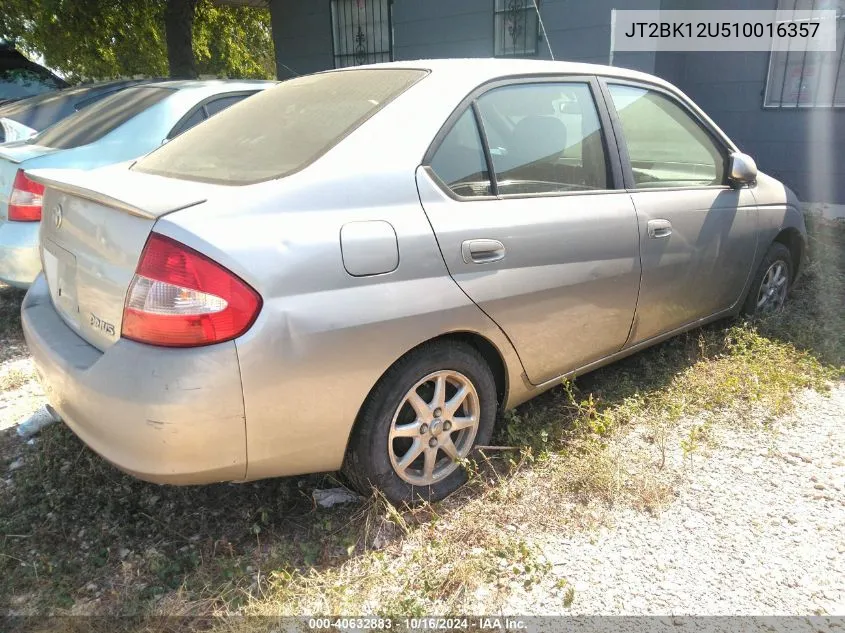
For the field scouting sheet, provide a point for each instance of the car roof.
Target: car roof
(43, 110)
(222, 84)
(480, 70)
(69, 96)
(445, 93)
(82, 91)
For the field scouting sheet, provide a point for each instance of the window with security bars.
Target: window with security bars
(515, 28)
(362, 32)
(798, 78)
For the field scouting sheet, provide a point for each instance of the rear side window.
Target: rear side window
(218, 105)
(196, 117)
(460, 162)
(206, 110)
(94, 122)
(281, 130)
(544, 138)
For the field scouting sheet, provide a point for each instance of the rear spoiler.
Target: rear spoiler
(133, 192)
(10, 158)
(8, 154)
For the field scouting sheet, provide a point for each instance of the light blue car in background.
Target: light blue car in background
(121, 127)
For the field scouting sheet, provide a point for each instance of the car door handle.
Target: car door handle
(659, 228)
(482, 251)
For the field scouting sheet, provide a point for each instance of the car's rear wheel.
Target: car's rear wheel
(771, 283)
(421, 421)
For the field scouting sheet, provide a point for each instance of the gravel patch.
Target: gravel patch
(757, 527)
(18, 403)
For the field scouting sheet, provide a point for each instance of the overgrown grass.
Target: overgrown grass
(78, 535)
(10, 311)
(741, 370)
(13, 379)
(11, 336)
(436, 565)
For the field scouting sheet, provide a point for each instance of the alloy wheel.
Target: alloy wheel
(773, 288)
(434, 427)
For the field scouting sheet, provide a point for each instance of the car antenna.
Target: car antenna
(543, 29)
(290, 69)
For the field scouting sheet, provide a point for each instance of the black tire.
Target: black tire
(368, 462)
(777, 253)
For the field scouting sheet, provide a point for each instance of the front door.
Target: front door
(697, 235)
(542, 242)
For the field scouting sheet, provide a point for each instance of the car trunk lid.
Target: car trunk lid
(94, 228)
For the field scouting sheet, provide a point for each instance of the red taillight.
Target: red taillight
(180, 298)
(25, 200)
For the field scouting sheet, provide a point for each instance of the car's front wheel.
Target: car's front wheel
(771, 283)
(422, 419)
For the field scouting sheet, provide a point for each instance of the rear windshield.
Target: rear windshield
(281, 130)
(94, 122)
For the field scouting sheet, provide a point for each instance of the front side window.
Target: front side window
(544, 138)
(459, 161)
(667, 147)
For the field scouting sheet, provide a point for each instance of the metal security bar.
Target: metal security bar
(362, 32)
(515, 28)
(798, 78)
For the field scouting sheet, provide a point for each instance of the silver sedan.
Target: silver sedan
(360, 269)
(122, 126)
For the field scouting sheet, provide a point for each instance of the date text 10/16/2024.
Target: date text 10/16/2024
(418, 624)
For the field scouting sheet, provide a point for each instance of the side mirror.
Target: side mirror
(743, 170)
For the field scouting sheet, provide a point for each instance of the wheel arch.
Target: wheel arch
(488, 350)
(794, 241)
(491, 354)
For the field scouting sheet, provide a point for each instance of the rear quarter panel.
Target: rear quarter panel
(324, 337)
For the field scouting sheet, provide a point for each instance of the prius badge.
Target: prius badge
(57, 216)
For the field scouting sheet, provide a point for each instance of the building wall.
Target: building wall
(302, 36)
(442, 28)
(805, 148)
(577, 31)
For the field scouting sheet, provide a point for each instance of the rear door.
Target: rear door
(698, 235)
(519, 187)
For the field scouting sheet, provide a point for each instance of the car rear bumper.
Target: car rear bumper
(164, 415)
(19, 259)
